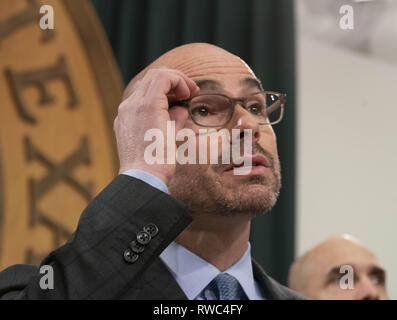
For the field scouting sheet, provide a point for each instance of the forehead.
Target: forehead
(217, 70)
(216, 85)
(345, 253)
(200, 63)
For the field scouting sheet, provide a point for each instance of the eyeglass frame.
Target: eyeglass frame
(233, 101)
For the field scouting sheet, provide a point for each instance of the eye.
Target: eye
(378, 280)
(335, 279)
(201, 111)
(255, 109)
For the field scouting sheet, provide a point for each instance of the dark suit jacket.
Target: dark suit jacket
(91, 264)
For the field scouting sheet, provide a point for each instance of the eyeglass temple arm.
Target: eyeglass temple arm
(283, 99)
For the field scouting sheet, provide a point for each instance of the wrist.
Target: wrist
(163, 177)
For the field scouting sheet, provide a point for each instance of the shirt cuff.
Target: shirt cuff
(154, 181)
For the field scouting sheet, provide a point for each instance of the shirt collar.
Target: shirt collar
(193, 273)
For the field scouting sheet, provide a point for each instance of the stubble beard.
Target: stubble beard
(203, 191)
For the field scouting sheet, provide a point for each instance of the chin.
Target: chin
(252, 182)
(252, 191)
(251, 199)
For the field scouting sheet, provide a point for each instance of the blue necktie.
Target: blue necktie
(224, 287)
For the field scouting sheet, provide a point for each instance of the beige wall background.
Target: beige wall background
(347, 127)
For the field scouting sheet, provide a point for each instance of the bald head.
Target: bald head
(316, 273)
(307, 264)
(196, 60)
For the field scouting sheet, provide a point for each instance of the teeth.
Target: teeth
(248, 166)
(242, 170)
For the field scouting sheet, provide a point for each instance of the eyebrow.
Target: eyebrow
(335, 271)
(208, 84)
(251, 83)
(375, 270)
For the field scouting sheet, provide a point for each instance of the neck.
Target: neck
(219, 240)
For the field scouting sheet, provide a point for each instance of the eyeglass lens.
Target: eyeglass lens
(215, 110)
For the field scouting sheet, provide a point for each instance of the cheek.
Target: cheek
(268, 141)
(211, 146)
(267, 135)
(336, 293)
(190, 175)
(333, 291)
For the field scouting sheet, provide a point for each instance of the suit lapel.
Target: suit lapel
(271, 289)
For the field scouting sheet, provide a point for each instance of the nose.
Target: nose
(367, 290)
(243, 119)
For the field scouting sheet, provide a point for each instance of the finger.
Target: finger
(159, 73)
(170, 84)
(144, 85)
(194, 89)
(153, 81)
(180, 116)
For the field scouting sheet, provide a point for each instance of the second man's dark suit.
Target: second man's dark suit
(91, 265)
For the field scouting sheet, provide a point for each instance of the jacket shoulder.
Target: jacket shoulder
(15, 278)
(285, 293)
(272, 289)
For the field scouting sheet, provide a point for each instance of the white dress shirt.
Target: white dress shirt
(193, 273)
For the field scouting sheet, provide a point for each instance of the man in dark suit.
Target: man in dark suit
(162, 230)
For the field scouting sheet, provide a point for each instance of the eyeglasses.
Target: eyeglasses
(216, 110)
